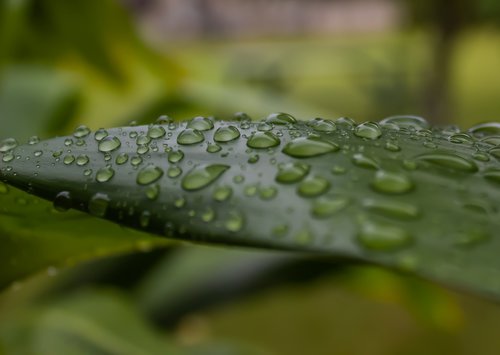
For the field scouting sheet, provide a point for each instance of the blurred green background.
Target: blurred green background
(106, 63)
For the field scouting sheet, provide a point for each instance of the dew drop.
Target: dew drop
(449, 161)
(303, 237)
(174, 171)
(234, 222)
(461, 138)
(306, 147)
(345, 121)
(222, 193)
(175, 156)
(109, 144)
(208, 215)
(105, 174)
(471, 238)
(62, 202)
(201, 124)
(8, 157)
(149, 174)
(327, 206)
(322, 125)
(155, 132)
(100, 134)
(82, 160)
(143, 140)
(393, 209)
(136, 160)
(364, 161)
(313, 186)
(485, 129)
(392, 147)
(226, 134)
(264, 126)
(190, 136)
(213, 148)
(368, 130)
(262, 140)
(33, 140)
(391, 182)
(290, 173)
(98, 205)
(268, 193)
(250, 190)
(254, 158)
(38, 153)
(280, 118)
(378, 237)
(153, 191)
(7, 145)
(81, 132)
(202, 175)
(122, 158)
(407, 122)
(69, 159)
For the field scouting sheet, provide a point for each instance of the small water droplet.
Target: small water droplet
(364, 161)
(322, 125)
(81, 131)
(62, 202)
(254, 158)
(143, 140)
(144, 219)
(292, 172)
(280, 230)
(379, 237)
(122, 158)
(68, 142)
(234, 222)
(136, 160)
(164, 119)
(305, 147)
(190, 136)
(213, 148)
(153, 191)
(175, 156)
(98, 204)
(262, 140)
(143, 149)
(100, 134)
(449, 161)
(38, 153)
(82, 160)
(69, 159)
(8, 157)
(394, 209)
(105, 174)
(180, 202)
(33, 140)
(391, 182)
(226, 134)
(109, 144)
(327, 206)
(87, 172)
(222, 193)
(201, 124)
(407, 122)
(7, 145)
(345, 121)
(202, 175)
(208, 215)
(251, 190)
(264, 126)
(268, 193)
(313, 186)
(156, 132)
(280, 118)
(174, 171)
(303, 237)
(368, 130)
(149, 174)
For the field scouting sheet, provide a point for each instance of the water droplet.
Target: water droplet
(313, 186)
(449, 161)
(322, 125)
(100, 134)
(305, 147)
(407, 122)
(82, 160)
(268, 193)
(369, 130)
(69, 159)
(280, 230)
(143, 140)
(303, 237)
(149, 174)
(327, 206)
(391, 182)
(122, 158)
(461, 138)
(364, 161)
(153, 191)
(143, 149)
(98, 205)
(175, 156)
(7, 144)
(164, 119)
(264, 126)
(226, 134)
(136, 160)
(492, 175)
(208, 215)
(292, 172)
(213, 148)
(202, 176)
(338, 170)
(238, 179)
(378, 237)
(109, 144)
(155, 132)
(81, 131)
(87, 172)
(174, 171)
(144, 219)
(485, 129)
(280, 118)
(222, 193)
(190, 136)
(392, 147)
(262, 140)
(394, 209)
(33, 140)
(254, 158)
(68, 142)
(105, 174)
(345, 121)
(62, 201)
(251, 190)
(201, 124)
(8, 157)
(234, 222)
(180, 202)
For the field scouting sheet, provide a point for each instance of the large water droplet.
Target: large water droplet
(98, 205)
(105, 174)
(69, 159)
(369, 130)
(322, 125)
(81, 131)
(122, 158)
(305, 147)
(201, 124)
(485, 129)
(62, 202)
(100, 134)
(7, 144)
(155, 132)
(394, 209)
(364, 161)
(190, 136)
(378, 237)
(175, 156)
(109, 144)
(149, 174)
(202, 176)
(226, 134)
(407, 122)
(174, 171)
(449, 161)
(313, 186)
(262, 140)
(82, 160)
(327, 206)
(461, 138)
(292, 172)
(280, 118)
(392, 182)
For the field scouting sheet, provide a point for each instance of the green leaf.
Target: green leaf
(397, 193)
